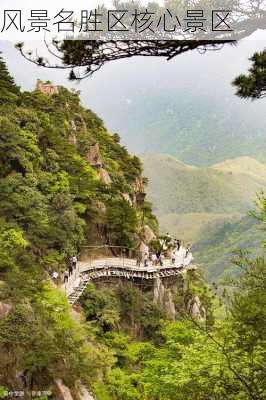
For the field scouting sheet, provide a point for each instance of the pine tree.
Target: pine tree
(253, 85)
(8, 88)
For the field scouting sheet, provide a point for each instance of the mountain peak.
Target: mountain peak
(242, 165)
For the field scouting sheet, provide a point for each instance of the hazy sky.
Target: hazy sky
(112, 91)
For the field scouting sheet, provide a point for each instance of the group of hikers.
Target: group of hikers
(72, 265)
(174, 249)
(164, 248)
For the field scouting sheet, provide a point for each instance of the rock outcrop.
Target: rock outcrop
(170, 305)
(72, 139)
(63, 390)
(93, 156)
(127, 198)
(163, 295)
(84, 394)
(4, 310)
(138, 185)
(104, 176)
(138, 194)
(100, 206)
(65, 393)
(195, 309)
(148, 234)
(158, 291)
(46, 88)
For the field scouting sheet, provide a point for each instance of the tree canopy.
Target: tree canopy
(85, 57)
(253, 85)
(53, 201)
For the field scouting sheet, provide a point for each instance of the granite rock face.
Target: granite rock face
(104, 176)
(196, 309)
(4, 310)
(46, 88)
(63, 390)
(93, 156)
(148, 234)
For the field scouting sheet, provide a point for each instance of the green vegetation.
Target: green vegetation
(113, 308)
(121, 344)
(207, 206)
(52, 202)
(253, 85)
(221, 357)
(214, 248)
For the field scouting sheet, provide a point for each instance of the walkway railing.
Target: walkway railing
(119, 262)
(112, 267)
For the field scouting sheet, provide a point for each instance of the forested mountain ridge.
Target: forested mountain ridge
(228, 187)
(65, 181)
(187, 112)
(207, 206)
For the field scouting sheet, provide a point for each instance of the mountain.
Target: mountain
(185, 107)
(65, 183)
(225, 188)
(243, 165)
(206, 206)
(214, 250)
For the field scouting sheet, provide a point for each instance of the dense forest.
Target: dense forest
(57, 196)
(54, 201)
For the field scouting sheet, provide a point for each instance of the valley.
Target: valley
(207, 206)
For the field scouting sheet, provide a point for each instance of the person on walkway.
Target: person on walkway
(154, 259)
(161, 260)
(66, 276)
(177, 244)
(55, 275)
(138, 259)
(146, 259)
(188, 248)
(188, 257)
(74, 262)
(173, 256)
(182, 254)
(158, 255)
(70, 270)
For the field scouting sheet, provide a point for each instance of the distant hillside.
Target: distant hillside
(243, 165)
(207, 206)
(225, 188)
(214, 250)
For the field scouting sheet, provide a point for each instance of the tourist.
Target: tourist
(146, 259)
(161, 260)
(138, 259)
(173, 256)
(55, 275)
(168, 238)
(66, 276)
(158, 255)
(188, 249)
(74, 262)
(188, 257)
(70, 269)
(154, 259)
(180, 254)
